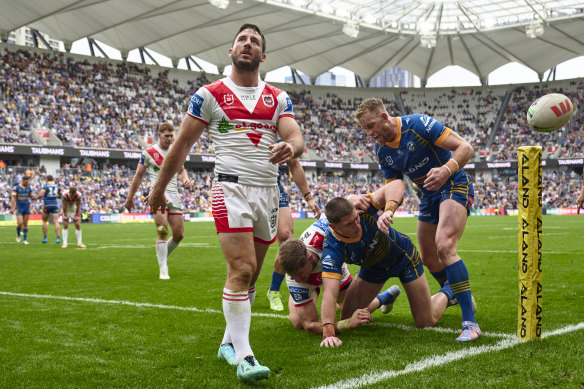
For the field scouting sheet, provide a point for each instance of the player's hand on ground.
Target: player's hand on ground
(360, 316)
(314, 208)
(436, 178)
(157, 201)
(361, 202)
(331, 341)
(385, 221)
(282, 152)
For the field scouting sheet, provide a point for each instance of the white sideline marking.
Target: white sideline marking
(510, 251)
(439, 360)
(208, 310)
(121, 302)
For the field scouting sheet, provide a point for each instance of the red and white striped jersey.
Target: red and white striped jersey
(242, 123)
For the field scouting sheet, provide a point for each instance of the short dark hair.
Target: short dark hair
(292, 255)
(50, 178)
(26, 177)
(338, 208)
(254, 27)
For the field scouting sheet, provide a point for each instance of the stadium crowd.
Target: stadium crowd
(106, 191)
(83, 103)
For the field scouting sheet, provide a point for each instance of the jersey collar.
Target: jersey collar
(395, 143)
(347, 240)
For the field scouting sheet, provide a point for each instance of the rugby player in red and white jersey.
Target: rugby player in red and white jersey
(244, 117)
(72, 211)
(151, 161)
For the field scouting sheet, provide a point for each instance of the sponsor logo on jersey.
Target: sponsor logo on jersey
(195, 105)
(247, 98)
(288, 105)
(328, 262)
(228, 99)
(268, 100)
(418, 165)
(428, 122)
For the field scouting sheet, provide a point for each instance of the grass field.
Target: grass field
(101, 318)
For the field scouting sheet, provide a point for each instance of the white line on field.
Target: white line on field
(208, 310)
(511, 251)
(439, 360)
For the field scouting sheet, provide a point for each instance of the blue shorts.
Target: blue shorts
(23, 210)
(407, 269)
(51, 209)
(284, 198)
(460, 190)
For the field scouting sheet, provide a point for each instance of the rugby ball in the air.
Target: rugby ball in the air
(550, 112)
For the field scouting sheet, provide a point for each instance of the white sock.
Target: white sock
(65, 234)
(171, 245)
(237, 312)
(162, 253)
(78, 234)
(251, 294)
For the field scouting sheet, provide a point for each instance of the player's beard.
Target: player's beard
(247, 66)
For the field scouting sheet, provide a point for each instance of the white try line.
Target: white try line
(216, 311)
(439, 360)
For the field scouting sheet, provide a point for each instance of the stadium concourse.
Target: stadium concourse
(63, 100)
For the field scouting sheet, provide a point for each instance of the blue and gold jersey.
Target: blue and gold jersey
(52, 194)
(415, 150)
(372, 249)
(22, 195)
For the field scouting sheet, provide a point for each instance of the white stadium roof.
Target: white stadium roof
(314, 36)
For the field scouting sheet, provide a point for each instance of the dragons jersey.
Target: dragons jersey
(242, 123)
(313, 238)
(52, 194)
(415, 150)
(70, 203)
(152, 158)
(372, 249)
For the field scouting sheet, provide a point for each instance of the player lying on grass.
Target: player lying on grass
(303, 266)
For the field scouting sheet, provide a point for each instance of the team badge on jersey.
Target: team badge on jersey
(268, 100)
(411, 146)
(228, 99)
(388, 160)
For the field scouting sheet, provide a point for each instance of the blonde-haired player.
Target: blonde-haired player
(71, 211)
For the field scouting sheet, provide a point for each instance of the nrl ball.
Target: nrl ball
(550, 112)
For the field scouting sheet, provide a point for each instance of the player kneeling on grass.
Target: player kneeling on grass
(300, 259)
(355, 238)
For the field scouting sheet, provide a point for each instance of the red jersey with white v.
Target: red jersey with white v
(242, 123)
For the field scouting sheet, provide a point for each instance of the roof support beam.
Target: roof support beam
(390, 59)
(36, 36)
(92, 42)
(429, 63)
(144, 51)
(478, 72)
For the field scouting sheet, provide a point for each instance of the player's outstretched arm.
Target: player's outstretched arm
(190, 130)
(328, 312)
(300, 180)
(462, 152)
(391, 196)
(136, 182)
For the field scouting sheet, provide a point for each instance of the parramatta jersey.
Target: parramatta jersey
(52, 194)
(152, 158)
(242, 123)
(415, 150)
(70, 203)
(22, 195)
(372, 249)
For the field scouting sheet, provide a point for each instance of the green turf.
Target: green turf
(94, 340)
